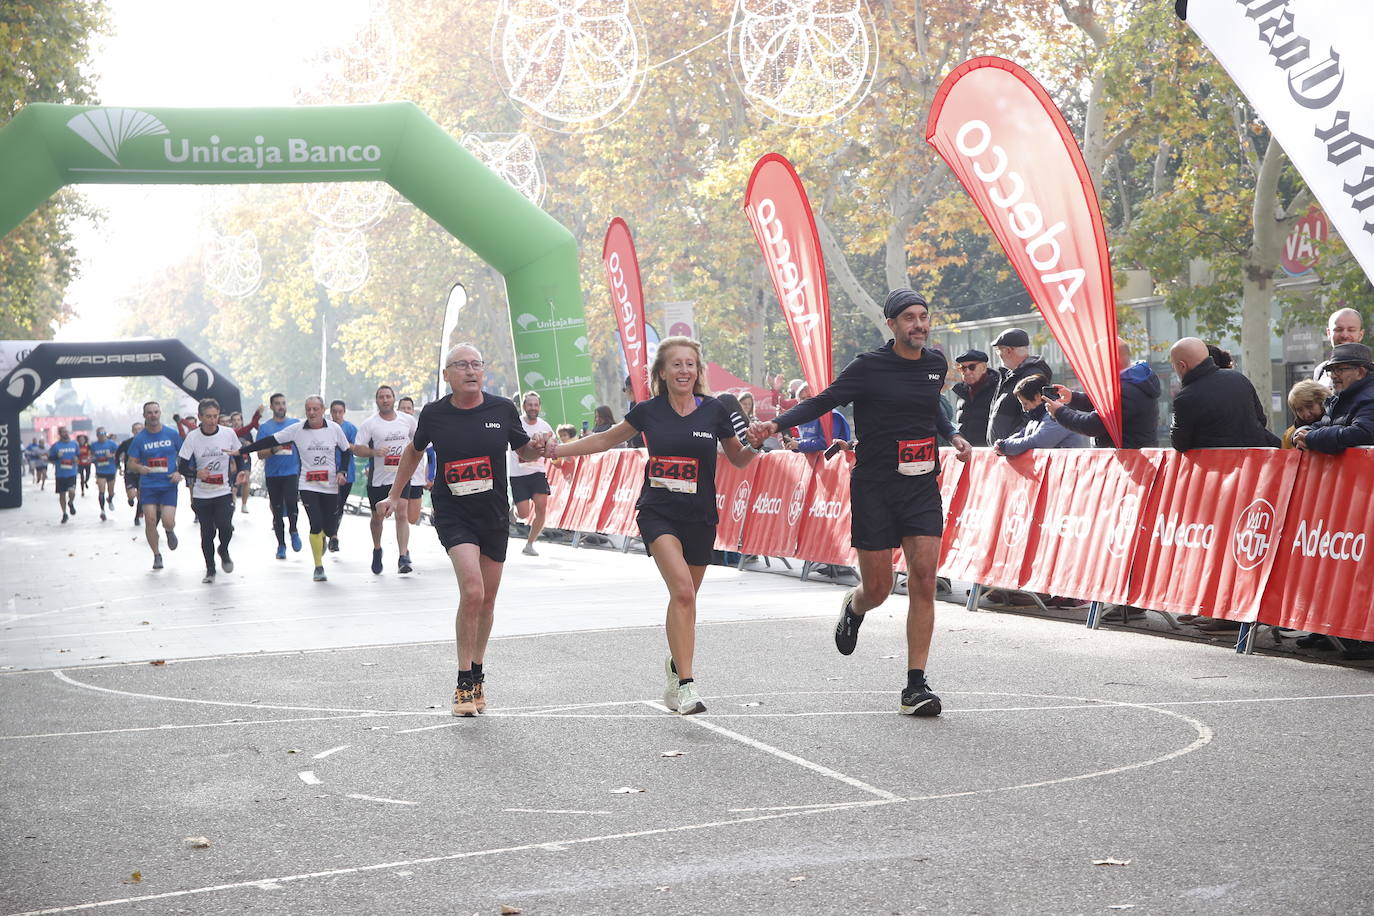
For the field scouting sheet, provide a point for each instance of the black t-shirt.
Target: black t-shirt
(680, 476)
(471, 444)
(896, 412)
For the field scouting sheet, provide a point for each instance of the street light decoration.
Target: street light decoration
(232, 263)
(515, 158)
(803, 62)
(577, 65)
(339, 259)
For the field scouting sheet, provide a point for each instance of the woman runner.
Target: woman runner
(677, 502)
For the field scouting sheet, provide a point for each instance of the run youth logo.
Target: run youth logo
(740, 504)
(1253, 536)
(1122, 520)
(794, 508)
(1018, 520)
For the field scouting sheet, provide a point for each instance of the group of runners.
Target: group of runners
(474, 444)
(73, 460)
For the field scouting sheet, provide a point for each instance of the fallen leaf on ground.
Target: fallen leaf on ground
(145, 623)
(671, 754)
(509, 910)
(292, 751)
(625, 790)
(158, 661)
(1111, 861)
(134, 878)
(198, 842)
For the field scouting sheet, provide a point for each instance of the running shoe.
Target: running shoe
(296, 541)
(225, 563)
(281, 551)
(688, 701)
(464, 700)
(847, 629)
(319, 575)
(64, 518)
(209, 578)
(670, 684)
(529, 551)
(403, 563)
(102, 515)
(157, 561)
(479, 695)
(377, 561)
(171, 539)
(333, 545)
(72, 507)
(131, 502)
(919, 701)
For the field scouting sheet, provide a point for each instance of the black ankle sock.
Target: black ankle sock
(464, 677)
(672, 664)
(915, 677)
(476, 672)
(685, 680)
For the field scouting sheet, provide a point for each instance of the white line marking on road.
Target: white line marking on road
(551, 811)
(309, 778)
(780, 754)
(333, 750)
(170, 728)
(374, 798)
(816, 807)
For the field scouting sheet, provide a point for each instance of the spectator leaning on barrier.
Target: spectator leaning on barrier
(1307, 400)
(1215, 408)
(1349, 419)
(1041, 429)
(1343, 327)
(1013, 348)
(1139, 406)
(975, 391)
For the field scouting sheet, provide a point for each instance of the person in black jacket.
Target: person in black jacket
(1139, 406)
(1349, 418)
(1013, 348)
(975, 393)
(1215, 408)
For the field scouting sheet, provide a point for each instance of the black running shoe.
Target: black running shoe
(403, 563)
(171, 540)
(847, 629)
(333, 545)
(919, 701)
(225, 563)
(377, 561)
(157, 561)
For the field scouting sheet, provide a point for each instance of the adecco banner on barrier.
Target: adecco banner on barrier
(824, 536)
(994, 529)
(779, 498)
(619, 517)
(785, 228)
(627, 301)
(1305, 67)
(1089, 523)
(734, 490)
(1323, 579)
(1012, 151)
(562, 476)
(1215, 519)
(588, 503)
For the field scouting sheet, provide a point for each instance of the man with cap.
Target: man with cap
(1349, 418)
(1013, 348)
(975, 390)
(1343, 327)
(894, 493)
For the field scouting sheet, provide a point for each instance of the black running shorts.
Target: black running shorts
(491, 542)
(698, 539)
(110, 476)
(884, 512)
(65, 483)
(524, 486)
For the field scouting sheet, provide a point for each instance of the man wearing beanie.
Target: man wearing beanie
(1013, 348)
(894, 495)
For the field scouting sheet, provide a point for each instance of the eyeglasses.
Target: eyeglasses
(1347, 368)
(971, 367)
(466, 364)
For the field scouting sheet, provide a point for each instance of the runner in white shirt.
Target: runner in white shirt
(529, 482)
(210, 454)
(383, 437)
(319, 443)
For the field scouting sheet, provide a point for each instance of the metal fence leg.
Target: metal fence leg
(1245, 639)
(1094, 615)
(973, 595)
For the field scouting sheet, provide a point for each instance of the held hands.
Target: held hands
(962, 450)
(760, 430)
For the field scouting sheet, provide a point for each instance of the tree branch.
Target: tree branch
(839, 266)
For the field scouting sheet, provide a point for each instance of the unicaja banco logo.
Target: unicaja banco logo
(107, 128)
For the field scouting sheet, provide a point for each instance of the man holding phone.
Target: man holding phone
(894, 492)
(1041, 429)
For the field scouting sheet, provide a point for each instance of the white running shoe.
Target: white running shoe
(670, 686)
(688, 701)
(529, 551)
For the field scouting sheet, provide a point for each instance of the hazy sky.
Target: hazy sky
(192, 53)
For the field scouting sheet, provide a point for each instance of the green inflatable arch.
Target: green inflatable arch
(46, 147)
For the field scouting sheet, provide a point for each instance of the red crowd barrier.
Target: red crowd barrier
(1281, 537)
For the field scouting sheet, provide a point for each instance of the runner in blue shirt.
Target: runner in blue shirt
(64, 455)
(337, 412)
(103, 457)
(281, 470)
(153, 456)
